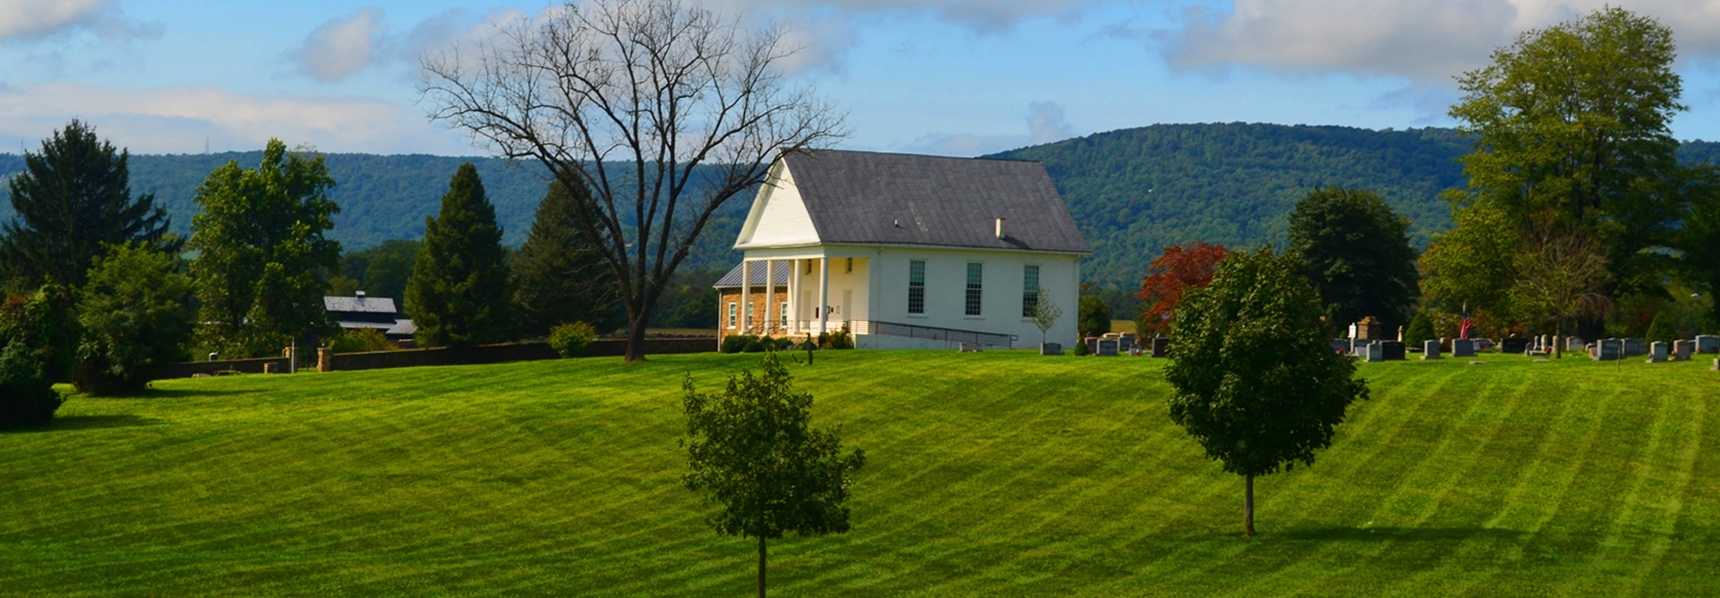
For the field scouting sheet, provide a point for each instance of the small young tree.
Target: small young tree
(753, 451)
(1095, 317)
(459, 294)
(135, 312)
(1254, 379)
(1179, 269)
(1045, 313)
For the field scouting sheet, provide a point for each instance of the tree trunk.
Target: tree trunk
(1247, 512)
(761, 567)
(636, 339)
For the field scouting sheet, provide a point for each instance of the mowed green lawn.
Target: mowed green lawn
(992, 474)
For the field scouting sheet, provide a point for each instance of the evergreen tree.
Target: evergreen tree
(261, 246)
(459, 291)
(562, 275)
(73, 199)
(1420, 330)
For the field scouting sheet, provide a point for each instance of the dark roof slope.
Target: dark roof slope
(733, 278)
(906, 199)
(372, 305)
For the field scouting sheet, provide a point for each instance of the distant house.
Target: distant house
(904, 251)
(376, 313)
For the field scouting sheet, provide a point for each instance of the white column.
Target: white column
(769, 293)
(746, 297)
(794, 295)
(824, 295)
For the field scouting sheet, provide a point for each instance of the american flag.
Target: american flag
(1463, 330)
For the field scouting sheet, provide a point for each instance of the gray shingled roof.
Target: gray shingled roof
(374, 305)
(733, 278)
(905, 199)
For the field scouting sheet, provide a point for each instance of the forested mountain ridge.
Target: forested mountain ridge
(1132, 191)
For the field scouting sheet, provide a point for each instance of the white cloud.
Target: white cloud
(341, 47)
(183, 119)
(1423, 40)
(1045, 124)
(33, 19)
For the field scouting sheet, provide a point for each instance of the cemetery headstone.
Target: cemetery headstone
(1657, 352)
(1514, 345)
(1375, 352)
(1051, 349)
(1126, 341)
(1092, 345)
(972, 347)
(1462, 347)
(1371, 329)
(1341, 345)
(1429, 349)
(1107, 347)
(1161, 346)
(1573, 343)
(1707, 343)
(1682, 350)
(1635, 346)
(1391, 351)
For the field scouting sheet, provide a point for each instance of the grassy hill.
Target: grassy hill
(996, 474)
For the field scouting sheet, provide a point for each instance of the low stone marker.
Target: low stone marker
(1126, 341)
(1462, 347)
(1429, 350)
(1573, 343)
(1107, 347)
(1715, 367)
(1051, 348)
(1161, 346)
(1706, 343)
(972, 347)
(1682, 350)
(1657, 352)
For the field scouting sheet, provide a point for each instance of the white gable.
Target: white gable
(778, 215)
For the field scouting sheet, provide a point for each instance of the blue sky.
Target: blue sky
(955, 77)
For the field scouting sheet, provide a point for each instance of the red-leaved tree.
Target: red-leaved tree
(1182, 267)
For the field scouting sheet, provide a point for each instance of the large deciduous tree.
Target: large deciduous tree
(261, 248)
(753, 451)
(1356, 252)
(1178, 270)
(663, 109)
(1572, 125)
(72, 201)
(460, 293)
(1254, 379)
(561, 274)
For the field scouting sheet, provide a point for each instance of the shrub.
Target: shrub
(753, 345)
(135, 313)
(27, 397)
(571, 340)
(841, 339)
(46, 323)
(1660, 329)
(363, 340)
(1081, 347)
(824, 340)
(735, 342)
(1420, 330)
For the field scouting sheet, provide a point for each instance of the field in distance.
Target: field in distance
(991, 474)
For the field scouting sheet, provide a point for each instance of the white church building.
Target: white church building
(904, 251)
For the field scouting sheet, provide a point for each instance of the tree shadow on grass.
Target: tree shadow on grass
(1402, 534)
(62, 423)
(176, 393)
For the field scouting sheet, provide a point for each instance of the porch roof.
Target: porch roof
(732, 280)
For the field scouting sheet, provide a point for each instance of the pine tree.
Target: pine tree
(562, 275)
(72, 199)
(459, 294)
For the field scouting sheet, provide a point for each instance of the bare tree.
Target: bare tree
(663, 109)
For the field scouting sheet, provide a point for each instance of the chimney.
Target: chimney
(360, 294)
(1000, 232)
